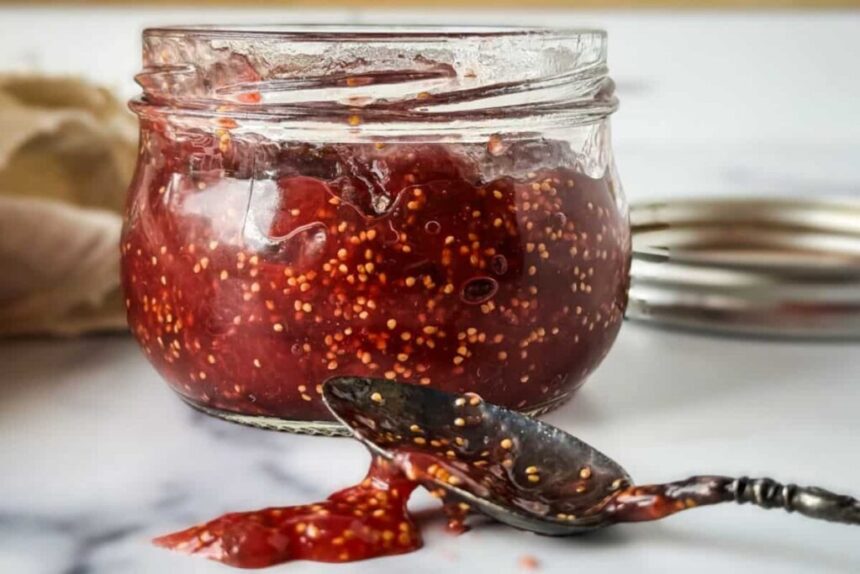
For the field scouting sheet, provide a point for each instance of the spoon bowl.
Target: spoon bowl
(513, 468)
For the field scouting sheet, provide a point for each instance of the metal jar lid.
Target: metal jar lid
(771, 267)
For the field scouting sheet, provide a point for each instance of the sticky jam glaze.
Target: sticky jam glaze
(364, 521)
(372, 519)
(254, 270)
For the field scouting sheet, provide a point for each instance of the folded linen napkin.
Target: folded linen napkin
(67, 153)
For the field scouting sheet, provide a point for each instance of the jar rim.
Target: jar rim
(371, 32)
(392, 79)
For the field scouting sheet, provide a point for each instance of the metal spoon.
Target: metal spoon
(529, 474)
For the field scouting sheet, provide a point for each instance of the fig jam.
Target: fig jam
(431, 206)
(254, 271)
(364, 521)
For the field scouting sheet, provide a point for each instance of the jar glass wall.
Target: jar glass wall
(436, 206)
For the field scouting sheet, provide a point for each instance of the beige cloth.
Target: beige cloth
(67, 152)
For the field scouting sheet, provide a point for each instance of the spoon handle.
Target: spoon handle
(810, 501)
(655, 501)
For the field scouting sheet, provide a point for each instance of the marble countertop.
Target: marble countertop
(97, 456)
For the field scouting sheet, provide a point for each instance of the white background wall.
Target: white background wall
(754, 102)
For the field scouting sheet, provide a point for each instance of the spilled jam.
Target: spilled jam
(367, 520)
(256, 269)
(467, 454)
(371, 519)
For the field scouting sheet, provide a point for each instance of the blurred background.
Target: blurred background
(720, 97)
(717, 98)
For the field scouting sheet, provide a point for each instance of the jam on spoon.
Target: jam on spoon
(531, 475)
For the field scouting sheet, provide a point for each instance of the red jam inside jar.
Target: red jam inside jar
(256, 264)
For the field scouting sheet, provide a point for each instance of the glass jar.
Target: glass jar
(433, 205)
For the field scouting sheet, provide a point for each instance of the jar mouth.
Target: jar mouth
(370, 32)
(381, 78)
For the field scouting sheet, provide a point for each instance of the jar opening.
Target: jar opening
(390, 77)
(382, 32)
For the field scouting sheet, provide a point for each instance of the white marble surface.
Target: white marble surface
(97, 456)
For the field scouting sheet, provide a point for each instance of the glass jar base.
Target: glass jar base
(332, 428)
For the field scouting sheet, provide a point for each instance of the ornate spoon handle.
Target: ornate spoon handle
(655, 501)
(810, 501)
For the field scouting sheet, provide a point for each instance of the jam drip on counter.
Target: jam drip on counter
(371, 519)
(363, 521)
